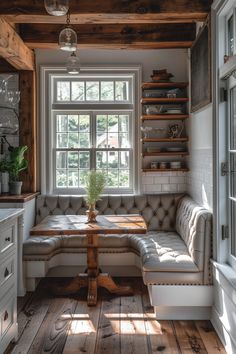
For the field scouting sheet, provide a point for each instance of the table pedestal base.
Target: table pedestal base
(84, 280)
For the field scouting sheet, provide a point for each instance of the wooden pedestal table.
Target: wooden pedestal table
(76, 225)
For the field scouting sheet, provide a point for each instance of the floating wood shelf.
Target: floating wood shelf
(153, 100)
(164, 116)
(164, 140)
(168, 85)
(165, 169)
(169, 153)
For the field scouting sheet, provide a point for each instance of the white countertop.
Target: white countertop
(6, 214)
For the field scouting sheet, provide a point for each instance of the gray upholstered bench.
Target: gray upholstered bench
(175, 251)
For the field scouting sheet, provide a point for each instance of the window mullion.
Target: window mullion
(93, 140)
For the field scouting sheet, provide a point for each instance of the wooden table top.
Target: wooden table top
(76, 225)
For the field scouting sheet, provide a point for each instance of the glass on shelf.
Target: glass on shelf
(146, 131)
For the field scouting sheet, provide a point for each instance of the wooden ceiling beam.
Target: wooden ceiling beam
(13, 49)
(113, 36)
(109, 11)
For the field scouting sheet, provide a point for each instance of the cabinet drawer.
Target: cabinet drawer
(7, 274)
(8, 313)
(7, 237)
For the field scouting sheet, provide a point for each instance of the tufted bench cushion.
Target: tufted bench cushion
(42, 245)
(176, 249)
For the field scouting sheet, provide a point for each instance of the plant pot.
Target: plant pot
(15, 187)
(5, 182)
(92, 213)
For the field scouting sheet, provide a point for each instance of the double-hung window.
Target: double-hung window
(226, 136)
(90, 125)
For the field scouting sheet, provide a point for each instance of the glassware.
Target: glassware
(73, 64)
(68, 37)
(56, 7)
(145, 131)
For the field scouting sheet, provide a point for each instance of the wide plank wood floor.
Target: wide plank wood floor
(126, 325)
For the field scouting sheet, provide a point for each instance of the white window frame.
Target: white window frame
(221, 11)
(232, 12)
(47, 132)
(231, 83)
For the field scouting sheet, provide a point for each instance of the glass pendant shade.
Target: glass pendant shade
(68, 39)
(73, 64)
(56, 7)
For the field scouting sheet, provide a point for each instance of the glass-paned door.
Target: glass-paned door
(232, 163)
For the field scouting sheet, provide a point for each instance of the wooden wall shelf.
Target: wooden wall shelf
(169, 153)
(156, 100)
(159, 143)
(165, 169)
(167, 85)
(164, 117)
(164, 140)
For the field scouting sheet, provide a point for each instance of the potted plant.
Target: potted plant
(94, 186)
(16, 164)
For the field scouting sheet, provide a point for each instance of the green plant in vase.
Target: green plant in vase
(94, 186)
(16, 164)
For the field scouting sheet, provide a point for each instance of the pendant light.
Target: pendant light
(68, 37)
(56, 7)
(73, 64)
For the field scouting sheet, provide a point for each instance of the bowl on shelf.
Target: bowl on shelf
(175, 164)
(176, 149)
(153, 109)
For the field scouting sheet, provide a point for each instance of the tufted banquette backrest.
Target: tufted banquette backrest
(158, 211)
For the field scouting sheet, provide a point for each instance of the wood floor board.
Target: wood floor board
(53, 332)
(108, 335)
(189, 339)
(83, 329)
(29, 323)
(160, 333)
(117, 325)
(133, 338)
(209, 337)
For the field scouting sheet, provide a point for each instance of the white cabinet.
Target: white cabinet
(10, 219)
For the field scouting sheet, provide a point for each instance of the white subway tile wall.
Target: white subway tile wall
(164, 182)
(200, 177)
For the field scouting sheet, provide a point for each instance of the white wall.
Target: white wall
(200, 176)
(174, 60)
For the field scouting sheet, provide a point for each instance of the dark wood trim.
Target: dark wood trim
(115, 35)
(23, 198)
(28, 126)
(116, 11)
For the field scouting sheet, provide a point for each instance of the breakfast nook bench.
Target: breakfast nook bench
(173, 256)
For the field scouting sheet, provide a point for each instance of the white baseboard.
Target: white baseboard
(175, 302)
(182, 313)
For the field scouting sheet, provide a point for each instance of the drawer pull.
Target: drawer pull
(6, 273)
(5, 316)
(7, 239)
